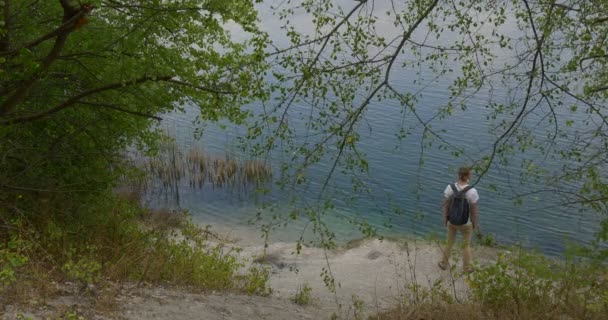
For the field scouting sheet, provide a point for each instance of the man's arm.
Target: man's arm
(446, 210)
(447, 193)
(474, 214)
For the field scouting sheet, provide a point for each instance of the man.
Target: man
(460, 213)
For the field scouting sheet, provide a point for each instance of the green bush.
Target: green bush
(303, 296)
(256, 281)
(84, 270)
(11, 259)
(111, 242)
(531, 286)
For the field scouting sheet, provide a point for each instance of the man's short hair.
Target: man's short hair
(464, 172)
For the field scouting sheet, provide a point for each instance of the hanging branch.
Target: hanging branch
(71, 17)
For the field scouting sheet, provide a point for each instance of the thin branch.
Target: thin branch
(352, 120)
(587, 103)
(21, 92)
(187, 84)
(526, 100)
(117, 4)
(76, 99)
(603, 56)
(5, 39)
(600, 20)
(117, 108)
(352, 64)
(66, 26)
(324, 38)
(599, 89)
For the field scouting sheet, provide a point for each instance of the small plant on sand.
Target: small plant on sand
(358, 311)
(11, 259)
(437, 292)
(71, 315)
(486, 240)
(303, 296)
(83, 269)
(256, 281)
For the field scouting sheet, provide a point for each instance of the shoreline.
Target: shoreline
(370, 273)
(369, 276)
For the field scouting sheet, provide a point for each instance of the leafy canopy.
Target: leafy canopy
(82, 81)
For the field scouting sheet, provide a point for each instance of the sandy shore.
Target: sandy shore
(369, 274)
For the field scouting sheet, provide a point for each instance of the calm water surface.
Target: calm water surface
(398, 180)
(397, 177)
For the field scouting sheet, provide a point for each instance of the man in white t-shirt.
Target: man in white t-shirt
(466, 229)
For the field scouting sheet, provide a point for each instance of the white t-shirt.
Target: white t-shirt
(472, 195)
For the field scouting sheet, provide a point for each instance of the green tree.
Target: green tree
(81, 81)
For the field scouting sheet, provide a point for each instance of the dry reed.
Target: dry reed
(173, 166)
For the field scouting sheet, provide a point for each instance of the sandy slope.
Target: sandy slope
(375, 274)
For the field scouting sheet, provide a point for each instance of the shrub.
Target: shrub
(85, 270)
(256, 281)
(303, 296)
(531, 286)
(108, 240)
(11, 259)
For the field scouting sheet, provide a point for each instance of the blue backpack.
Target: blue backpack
(459, 206)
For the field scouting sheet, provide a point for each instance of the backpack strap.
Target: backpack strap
(454, 189)
(467, 188)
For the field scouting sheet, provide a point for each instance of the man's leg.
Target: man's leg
(448, 248)
(467, 232)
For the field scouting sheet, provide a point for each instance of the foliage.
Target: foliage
(85, 270)
(436, 294)
(112, 244)
(358, 308)
(486, 239)
(518, 285)
(257, 281)
(82, 83)
(303, 296)
(11, 259)
(530, 286)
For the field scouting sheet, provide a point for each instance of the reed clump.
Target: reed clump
(172, 166)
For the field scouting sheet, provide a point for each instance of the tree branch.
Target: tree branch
(117, 108)
(603, 56)
(76, 99)
(600, 20)
(64, 27)
(352, 120)
(117, 4)
(518, 117)
(5, 40)
(187, 84)
(21, 92)
(599, 89)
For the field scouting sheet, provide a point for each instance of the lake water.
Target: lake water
(396, 176)
(398, 180)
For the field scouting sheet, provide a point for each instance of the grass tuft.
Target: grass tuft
(303, 296)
